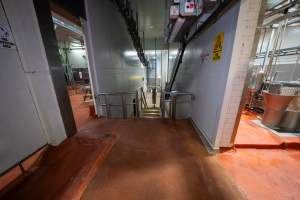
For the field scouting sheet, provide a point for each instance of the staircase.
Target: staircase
(150, 113)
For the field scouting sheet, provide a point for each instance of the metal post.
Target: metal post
(141, 102)
(167, 73)
(124, 106)
(107, 106)
(155, 69)
(162, 106)
(292, 75)
(137, 104)
(281, 39)
(267, 50)
(275, 44)
(174, 108)
(173, 115)
(161, 71)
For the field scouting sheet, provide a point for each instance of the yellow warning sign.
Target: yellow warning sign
(218, 47)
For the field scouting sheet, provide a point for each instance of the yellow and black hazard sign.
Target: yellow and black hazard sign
(218, 47)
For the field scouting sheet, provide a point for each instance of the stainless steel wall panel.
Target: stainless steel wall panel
(204, 78)
(109, 41)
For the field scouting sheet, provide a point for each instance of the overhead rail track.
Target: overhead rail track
(124, 7)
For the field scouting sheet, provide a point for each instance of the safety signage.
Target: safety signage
(218, 47)
(5, 40)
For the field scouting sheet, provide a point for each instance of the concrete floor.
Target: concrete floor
(63, 172)
(263, 165)
(264, 174)
(80, 110)
(157, 159)
(251, 135)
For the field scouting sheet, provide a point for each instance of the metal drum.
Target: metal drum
(290, 120)
(275, 106)
(298, 127)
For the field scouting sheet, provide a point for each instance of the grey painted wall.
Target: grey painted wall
(205, 79)
(44, 17)
(108, 41)
(30, 113)
(21, 132)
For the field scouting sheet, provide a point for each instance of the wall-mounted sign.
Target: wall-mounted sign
(204, 57)
(5, 39)
(174, 11)
(4, 34)
(218, 47)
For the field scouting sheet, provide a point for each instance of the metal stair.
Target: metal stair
(151, 113)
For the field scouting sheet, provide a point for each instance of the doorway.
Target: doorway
(73, 56)
(270, 117)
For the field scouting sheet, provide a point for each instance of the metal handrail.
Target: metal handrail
(143, 98)
(173, 102)
(124, 104)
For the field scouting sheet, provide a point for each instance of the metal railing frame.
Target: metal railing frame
(171, 97)
(123, 104)
(173, 102)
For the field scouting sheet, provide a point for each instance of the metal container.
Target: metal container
(275, 106)
(298, 126)
(295, 104)
(290, 120)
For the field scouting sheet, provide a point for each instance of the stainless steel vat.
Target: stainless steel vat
(290, 120)
(298, 126)
(275, 106)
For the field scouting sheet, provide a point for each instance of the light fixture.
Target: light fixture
(130, 53)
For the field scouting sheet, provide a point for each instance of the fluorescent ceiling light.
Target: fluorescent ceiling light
(173, 52)
(130, 53)
(68, 26)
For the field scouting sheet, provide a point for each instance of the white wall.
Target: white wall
(30, 115)
(25, 27)
(21, 131)
(245, 42)
(206, 79)
(218, 86)
(108, 40)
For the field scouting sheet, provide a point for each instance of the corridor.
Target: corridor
(157, 159)
(149, 159)
(150, 100)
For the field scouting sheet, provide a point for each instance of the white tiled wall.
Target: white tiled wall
(245, 33)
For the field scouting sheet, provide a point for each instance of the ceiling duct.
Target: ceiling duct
(184, 14)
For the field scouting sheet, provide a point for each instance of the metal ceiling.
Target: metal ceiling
(151, 15)
(75, 7)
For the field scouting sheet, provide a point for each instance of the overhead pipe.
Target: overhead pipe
(282, 9)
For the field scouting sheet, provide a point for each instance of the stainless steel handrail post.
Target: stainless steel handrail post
(162, 105)
(141, 99)
(173, 107)
(170, 110)
(124, 106)
(137, 104)
(107, 106)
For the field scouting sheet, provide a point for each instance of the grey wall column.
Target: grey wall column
(43, 12)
